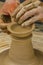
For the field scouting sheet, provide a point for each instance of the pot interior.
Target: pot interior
(19, 29)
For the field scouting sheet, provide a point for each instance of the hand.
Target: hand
(4, 25)
(7, 9)
(9, 6)
(28, 13)
(36, 14)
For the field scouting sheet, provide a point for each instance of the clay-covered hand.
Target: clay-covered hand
(35, 14)
(2, 24)
(7, 9)
(28, 13)
(9, 6)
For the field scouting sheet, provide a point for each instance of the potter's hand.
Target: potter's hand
(2, 24)
(35, 14)
(9, 7)
(29, 13)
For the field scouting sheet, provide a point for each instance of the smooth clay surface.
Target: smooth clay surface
(21, 52)
(19, 31)
(18, 28)
(5, 60)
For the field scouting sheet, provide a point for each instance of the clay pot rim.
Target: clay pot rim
(9, 29)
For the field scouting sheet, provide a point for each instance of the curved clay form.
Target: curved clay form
(19, 31)
(21, 51)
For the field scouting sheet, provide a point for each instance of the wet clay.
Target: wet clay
(21, 51)
(8, 61)
(22, 47)
(20, 29)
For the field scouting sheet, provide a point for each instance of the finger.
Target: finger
(26, 2)
(27, 7)
(1, 21)
(16, 10)
(27, 15)
(23, 10)
(20, 6)
(41, 20)
(32, 20)
(3, 25)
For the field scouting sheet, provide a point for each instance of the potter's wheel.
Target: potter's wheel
(5, 59)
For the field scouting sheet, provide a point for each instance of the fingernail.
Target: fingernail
(16, 16)
(23, 25)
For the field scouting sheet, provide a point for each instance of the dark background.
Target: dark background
(2, 0)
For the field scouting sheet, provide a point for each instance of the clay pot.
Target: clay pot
(21, 51)
(19, 31)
